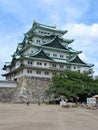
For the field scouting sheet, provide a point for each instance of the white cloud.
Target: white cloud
(83, 57)
(86, 39)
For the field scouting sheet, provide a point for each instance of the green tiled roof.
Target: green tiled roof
(6, 65)
(66, 40)
(46, 27)
(77, 60)
(72, 50)
(40, 54)
(55, 44)
(60, 60)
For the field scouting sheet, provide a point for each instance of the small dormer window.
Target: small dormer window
(61, 56)
(61, 66)
(48, 54)
(38, 41)
(54, 65)
(45, 64)
(46, 73)
(31, 51)
(38, 72)
(67, 57)
(74, 67)
(54, 55)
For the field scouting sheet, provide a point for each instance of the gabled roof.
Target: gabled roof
(40, 55)
(55, 44)
(75, 59)
(46, 27)
(74, 51)
(66, 40)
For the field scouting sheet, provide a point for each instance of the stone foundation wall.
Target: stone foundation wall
(6, 94)
(32, 89)
(28, 89)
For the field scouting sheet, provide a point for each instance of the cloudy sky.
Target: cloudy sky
(79, 17)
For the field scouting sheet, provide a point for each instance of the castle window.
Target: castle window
(48, 54)
(30, 62)
(55, 55)
(38, 40)
(31, 51)
(29, 71)
(39, 63)
(67, 57)
(78, 70)
(74, 67)
(46, 73)
(54, 73)
(61, 56)
(68, 67)
(61, 66)
(38, 72)
(54, 65)
(45, 64)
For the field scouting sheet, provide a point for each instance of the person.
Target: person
(28, 103)
(39, 103)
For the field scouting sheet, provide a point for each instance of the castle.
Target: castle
(43, 53)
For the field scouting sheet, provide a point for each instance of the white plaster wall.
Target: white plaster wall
(17, 64)
(34, 49)
(47, 32)
(65, 54)
(34, 39)
(42, 65)
(34, 74)
(82, 69)
(65, 44)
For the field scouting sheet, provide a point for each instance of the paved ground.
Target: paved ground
(46, 117)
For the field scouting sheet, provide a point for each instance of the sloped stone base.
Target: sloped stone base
(31, 89)
(6, 95)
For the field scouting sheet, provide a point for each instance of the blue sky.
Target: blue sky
(79, 17)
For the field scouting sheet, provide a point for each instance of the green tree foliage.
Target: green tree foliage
(73, 84)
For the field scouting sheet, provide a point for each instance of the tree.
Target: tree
(73, 84)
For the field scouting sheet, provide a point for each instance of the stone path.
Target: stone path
(46, 117)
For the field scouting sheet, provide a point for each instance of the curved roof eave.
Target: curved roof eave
(85, 65)
(66, 40)
(39, 54)
(76, 60)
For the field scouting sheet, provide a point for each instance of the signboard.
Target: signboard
(91, 100)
